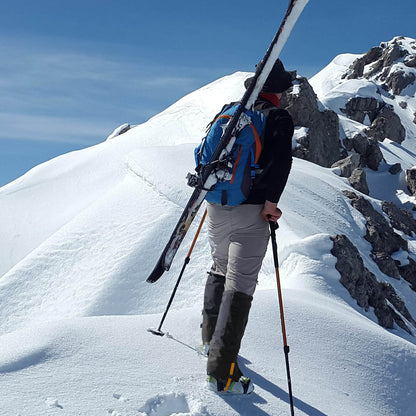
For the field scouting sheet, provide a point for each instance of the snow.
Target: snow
(81, 233)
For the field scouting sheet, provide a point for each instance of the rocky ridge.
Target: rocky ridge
(390, 71)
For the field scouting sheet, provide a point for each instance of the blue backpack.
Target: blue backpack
(235, 173)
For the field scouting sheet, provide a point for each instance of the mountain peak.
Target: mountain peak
(393, 64)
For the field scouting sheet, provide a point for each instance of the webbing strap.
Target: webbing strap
(258, 143)
(256, 136)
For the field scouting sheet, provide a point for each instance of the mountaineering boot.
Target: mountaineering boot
(226, 340)
(242, 386)
(214, 289)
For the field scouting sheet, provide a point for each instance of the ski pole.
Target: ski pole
(159, 331)
(273, 227)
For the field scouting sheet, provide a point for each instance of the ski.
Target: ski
(206, 178)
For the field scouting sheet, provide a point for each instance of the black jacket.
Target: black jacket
(276, 156)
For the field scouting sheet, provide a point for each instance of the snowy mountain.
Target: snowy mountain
(80, 234)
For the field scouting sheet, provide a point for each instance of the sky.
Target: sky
(71, 72)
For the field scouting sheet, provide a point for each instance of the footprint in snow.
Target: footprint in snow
(172, 404)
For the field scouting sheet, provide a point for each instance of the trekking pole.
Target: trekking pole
(159, 331)
(273, 227)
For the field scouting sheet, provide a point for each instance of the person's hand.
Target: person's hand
(270, 212)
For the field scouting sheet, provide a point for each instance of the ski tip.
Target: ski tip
(156, 332)
(156, 273)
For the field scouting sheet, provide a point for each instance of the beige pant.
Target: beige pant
(238, 237)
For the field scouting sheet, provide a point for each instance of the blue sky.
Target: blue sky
(72, 71)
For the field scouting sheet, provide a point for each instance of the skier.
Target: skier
(238, 237)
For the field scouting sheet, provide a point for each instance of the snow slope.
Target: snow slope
(81, 233)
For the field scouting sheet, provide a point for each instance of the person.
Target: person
(238, 237)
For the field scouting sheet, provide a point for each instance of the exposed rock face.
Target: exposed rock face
(400, 219)
(357, 67)
(348, 165)
(408, 272)
(322, 144)
(365, 289)
(411, 180)
(358, 181)
(369, 151)
(381, 59)
(358, 108)
(380, 235)
(387, 124)
(119, 130)
(410, 61)
(378, 64)
(399, 80)
(373, 155)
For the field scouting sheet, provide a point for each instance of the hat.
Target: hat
(279, 80)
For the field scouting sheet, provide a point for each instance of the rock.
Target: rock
(391, 54)
(358, 108)
(399, 80)
(322, 144)
(356, 70)
(119, 130)
(410, 61)
(360, 143)
(373, 155)
(380, 235)
(400, 219)
(387, 124)
(408, 273)
(364, 287)
(386, 264)
(388, 56)
(348, 164)
(358, 181)
(403, 104)
(411, 180)
(348, 144)
(395, 169)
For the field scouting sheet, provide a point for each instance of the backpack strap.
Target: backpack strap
(258, 143)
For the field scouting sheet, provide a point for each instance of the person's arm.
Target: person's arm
(282, 161)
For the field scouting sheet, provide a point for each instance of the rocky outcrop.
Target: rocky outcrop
(382, 237)
(363, 286)
(119, 130)
(348, 165)
(408, 272)
(410, 61)
(387, 124)
(358, 180)
(368, 149)
(356, 70)
(411, 180)
(321, 145)
(360, 108)
(378, 62)
(400, 219)
(399, 80)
